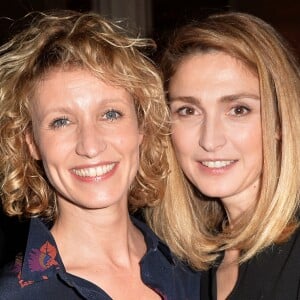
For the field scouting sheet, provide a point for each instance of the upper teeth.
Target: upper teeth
(94, 172)
(217, 163)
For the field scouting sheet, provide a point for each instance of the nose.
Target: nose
(212, 134)
(90, 141)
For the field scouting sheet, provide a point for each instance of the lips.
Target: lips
(216, 164)
(94, 171)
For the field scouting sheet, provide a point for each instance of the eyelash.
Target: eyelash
(55, 123)
(245, 110)
(182, 111)
(110, 111)
(186, 111)
(64, 121)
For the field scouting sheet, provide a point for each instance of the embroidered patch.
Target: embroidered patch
(24, 283)
(17, 269)
(43, 258)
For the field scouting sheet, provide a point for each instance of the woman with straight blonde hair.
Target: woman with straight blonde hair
(233, 89)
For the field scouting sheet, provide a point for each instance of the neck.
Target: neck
(237, 205)
(100, 235)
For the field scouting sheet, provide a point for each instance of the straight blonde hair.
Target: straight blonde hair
(199, 233)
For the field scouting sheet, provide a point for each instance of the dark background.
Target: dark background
(155, 19)
(165, 15)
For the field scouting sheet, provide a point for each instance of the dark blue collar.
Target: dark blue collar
(153, 242)
(42, 260)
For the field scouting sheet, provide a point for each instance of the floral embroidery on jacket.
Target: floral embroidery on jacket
(17, 269)
(39, 261)
(43, 258)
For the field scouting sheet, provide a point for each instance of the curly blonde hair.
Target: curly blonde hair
(69, 39)
(276, 214)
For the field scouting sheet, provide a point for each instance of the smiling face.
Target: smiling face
(215, 105)
(86, 134)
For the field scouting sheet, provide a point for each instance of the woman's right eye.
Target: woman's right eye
(59, 122)
(185, 111)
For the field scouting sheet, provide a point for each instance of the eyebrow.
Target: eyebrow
(234, 97)
(227, 98)
(187, 99)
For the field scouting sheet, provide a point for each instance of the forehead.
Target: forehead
(76, 89)
(204, 61)
(75, 79)
(214, 73)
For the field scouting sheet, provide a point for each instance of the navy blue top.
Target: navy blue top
(40, 273)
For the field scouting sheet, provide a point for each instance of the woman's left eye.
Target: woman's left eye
(59, 122)
(239, 111)
(112, 115)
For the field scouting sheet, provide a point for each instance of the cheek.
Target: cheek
(128, 144)
(182, 139)
(250, 141)
(54, 151)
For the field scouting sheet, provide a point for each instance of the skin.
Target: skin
(216, 132)
(86, 133)
(87, 136)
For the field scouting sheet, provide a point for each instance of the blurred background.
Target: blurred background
(156, 18)
(153, 19)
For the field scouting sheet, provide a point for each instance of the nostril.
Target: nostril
(90, 144)
(211, 138)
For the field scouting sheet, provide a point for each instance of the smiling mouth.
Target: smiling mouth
(95, 171)
(217, 163)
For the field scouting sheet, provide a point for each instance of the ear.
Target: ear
(33, 149)
(141, 137)
(278, 134)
